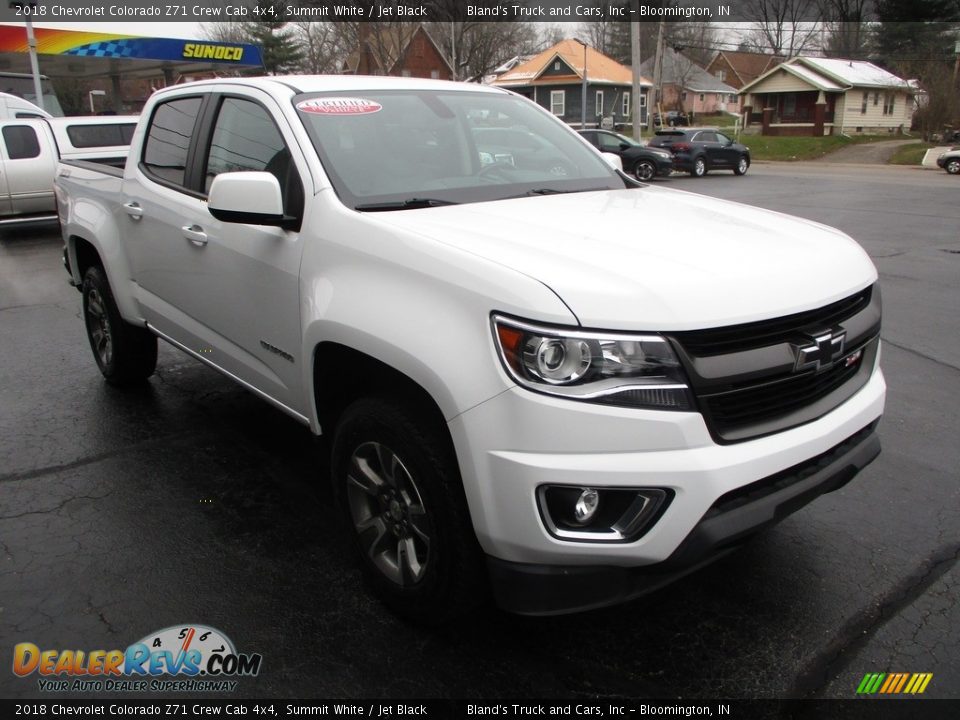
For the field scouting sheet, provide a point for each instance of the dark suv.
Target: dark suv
(699, 150)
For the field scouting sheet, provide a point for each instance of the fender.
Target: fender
(430, 316)
(88, 220)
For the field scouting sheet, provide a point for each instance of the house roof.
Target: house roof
(600, 68)
(678, 69)
(747, 66)
(835, 75)
(857, 73)
(390, 44)
(819, 81)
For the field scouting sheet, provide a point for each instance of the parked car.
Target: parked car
(674, 118)
(950, 161)
(643, 162)
(564, 389)
(30, 149)
(700, 150)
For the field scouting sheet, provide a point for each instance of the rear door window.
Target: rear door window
(21, 142)
(165, 149)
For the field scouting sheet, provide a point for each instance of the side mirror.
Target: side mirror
(624, 146)
(253, 198)
(613, 160)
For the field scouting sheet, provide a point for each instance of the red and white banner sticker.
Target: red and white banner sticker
(339, 106)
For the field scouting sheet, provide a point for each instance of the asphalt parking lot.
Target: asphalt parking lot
(191, 501)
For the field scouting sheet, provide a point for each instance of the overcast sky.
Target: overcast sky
(147, 29)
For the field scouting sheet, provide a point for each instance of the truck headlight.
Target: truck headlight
(609, 368)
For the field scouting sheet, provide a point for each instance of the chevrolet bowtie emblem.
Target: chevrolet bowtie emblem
(824, 349)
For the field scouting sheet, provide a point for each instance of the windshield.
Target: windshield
(390, 149)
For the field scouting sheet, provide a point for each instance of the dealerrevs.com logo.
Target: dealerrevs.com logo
(180, 658)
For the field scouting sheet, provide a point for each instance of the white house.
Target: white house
(826, 96)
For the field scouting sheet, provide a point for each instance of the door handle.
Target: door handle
(133, 209)
(195, 234)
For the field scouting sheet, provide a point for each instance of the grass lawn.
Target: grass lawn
(801, 148)
(910, 154)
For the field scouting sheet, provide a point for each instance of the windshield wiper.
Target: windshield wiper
(553, 191)
(408, 204)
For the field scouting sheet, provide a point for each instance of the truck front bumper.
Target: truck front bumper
(514, 444)
(531, 589)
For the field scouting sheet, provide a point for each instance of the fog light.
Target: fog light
(583, 514)
(586, 506)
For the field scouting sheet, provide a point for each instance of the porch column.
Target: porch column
(819, 114)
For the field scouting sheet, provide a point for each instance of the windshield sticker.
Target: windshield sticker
(339, 106)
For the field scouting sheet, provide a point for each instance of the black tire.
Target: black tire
(699, 167)
(398, 486)
(644, 170)
(743, 164)
(952, 166)
(126, 354)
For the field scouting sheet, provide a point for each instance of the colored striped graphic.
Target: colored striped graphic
(894, 683)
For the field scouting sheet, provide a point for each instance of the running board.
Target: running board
(256, 391)
(28, 219)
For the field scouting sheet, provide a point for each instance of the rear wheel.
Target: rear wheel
(644, 170)
(742, 166)
(952, 166)
(126, 354)
(699, 167)
(399, 487)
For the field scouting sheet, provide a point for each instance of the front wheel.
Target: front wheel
(644, 170)
(742, 166)
(699, 167)
(953, 166)
(399, 487)
(126, 354)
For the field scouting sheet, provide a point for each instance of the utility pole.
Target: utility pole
(635, 55)
(34, 65)
(658, 72)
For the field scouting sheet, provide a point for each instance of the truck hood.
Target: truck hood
(655, 259)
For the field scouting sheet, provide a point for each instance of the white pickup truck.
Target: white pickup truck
(533, 382)
(30, 149)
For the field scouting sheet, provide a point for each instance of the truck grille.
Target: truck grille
(744, 377)
(736, 338)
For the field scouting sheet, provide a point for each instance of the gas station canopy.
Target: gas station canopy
(82, 54)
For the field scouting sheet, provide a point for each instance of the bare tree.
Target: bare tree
(226, 32)
(476, 48)
(323, 49)
(784, 27)
(699, 40)
(845, 27)
(383, 41)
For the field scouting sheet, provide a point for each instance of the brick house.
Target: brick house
(736, 68)
(400, 49)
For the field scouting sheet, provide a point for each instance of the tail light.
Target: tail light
(681, 147)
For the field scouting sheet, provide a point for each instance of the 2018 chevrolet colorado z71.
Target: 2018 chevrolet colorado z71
(524, 391)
